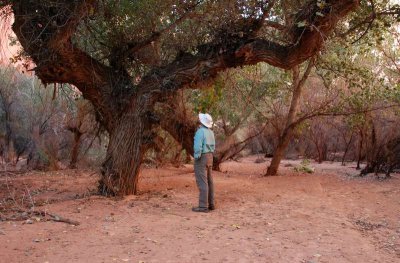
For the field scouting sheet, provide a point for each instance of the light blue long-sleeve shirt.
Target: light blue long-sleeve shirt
(204, 141)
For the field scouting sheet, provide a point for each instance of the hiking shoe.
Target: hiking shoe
(200, 209)
(211, 207)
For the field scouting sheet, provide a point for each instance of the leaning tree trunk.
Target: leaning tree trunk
(291, 122)
(347, 148)
(217, 161)
(280, 151)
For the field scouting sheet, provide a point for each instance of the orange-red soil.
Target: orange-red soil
(328, 216)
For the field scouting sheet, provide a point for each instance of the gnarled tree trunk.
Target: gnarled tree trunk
(130, 138)
(122, 165)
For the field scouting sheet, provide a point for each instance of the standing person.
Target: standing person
(204, 146)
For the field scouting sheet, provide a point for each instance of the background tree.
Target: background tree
(81, 122)
(37, 121)
(382, 153)
(298, 81)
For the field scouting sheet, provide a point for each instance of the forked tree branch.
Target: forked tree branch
(196, 70)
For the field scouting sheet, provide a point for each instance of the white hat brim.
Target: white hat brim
(203, 120)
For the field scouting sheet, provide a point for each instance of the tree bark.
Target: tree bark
(290, 121)
(322, 152)
(174, 119)
(347, 146)
(75, 148)
(280, 151)
(181, 130)
(129, 140)
(360, 147)
(122, 165)
(8, 149)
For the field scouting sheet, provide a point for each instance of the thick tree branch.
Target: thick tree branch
(196, 70)
(174, 120)
(44, 29)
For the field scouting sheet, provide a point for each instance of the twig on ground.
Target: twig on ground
(57, 218)
(24, 215)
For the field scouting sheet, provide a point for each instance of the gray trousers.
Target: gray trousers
(204, 180)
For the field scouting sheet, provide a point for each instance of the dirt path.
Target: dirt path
(322, 217)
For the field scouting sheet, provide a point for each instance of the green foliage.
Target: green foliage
(236, 95)
(372, 30)
(304, 167)
(118, 25)
(206, 100)
(363, 74)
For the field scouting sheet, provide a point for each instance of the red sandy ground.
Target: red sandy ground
(328, 216)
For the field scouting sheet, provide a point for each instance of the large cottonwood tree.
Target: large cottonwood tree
(127, 56)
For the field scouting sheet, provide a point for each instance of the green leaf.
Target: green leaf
(302, 23)
(321, 4)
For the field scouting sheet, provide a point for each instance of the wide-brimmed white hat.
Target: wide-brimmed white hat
(206, 119)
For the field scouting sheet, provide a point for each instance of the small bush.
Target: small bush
(304, 167)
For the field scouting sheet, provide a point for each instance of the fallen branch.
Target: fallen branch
(57, 218)
(25, 215)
